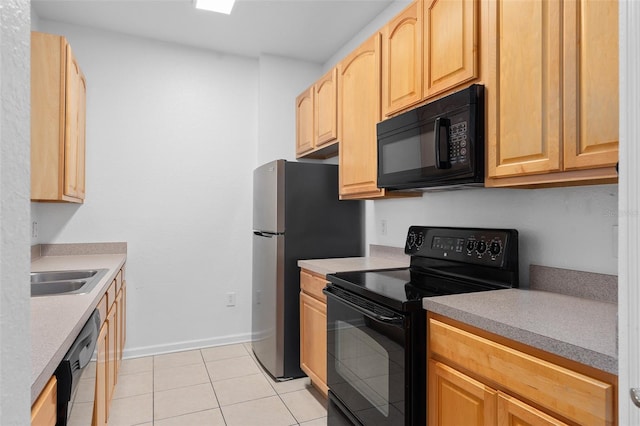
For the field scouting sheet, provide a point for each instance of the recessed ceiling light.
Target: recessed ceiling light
(220, 6)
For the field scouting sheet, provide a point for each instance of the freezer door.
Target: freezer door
(268, 301)
(268, 197)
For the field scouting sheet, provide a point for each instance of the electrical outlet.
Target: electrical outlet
(231, 298)
(34, 229)
(383, 227)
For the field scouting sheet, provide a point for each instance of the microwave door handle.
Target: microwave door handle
(442, 152)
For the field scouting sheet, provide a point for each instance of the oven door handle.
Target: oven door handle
(396, 320)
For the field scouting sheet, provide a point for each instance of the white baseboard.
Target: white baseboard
(185, 346)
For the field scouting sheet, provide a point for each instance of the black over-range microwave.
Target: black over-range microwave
(439, 145)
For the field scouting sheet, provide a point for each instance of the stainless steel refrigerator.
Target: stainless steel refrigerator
(296, 215)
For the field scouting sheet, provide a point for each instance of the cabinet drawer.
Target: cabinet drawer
(103, 307)
(118, 281)
(313, 285)
(573, 395)
(111, 294)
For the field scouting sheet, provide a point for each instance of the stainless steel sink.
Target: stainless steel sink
(38, 277)
(65, 282)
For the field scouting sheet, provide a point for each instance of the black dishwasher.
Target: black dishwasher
(76, 377)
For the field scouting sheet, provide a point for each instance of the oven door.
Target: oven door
(365, 359)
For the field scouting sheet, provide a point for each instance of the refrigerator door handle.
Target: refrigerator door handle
(264, 234)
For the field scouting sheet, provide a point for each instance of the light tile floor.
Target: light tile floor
(224, 385)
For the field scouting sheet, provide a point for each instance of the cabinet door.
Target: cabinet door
(590, 84)
(326, 108)
(43, 411)
(58, 111)
(82, 119)
(359, 109)
(524, 113)
(118, 338)
(513, 412)
(112, 350)
(455, 399)
(123, 317)
(450, 44)
(102, 374)
(402, 60)
(74, 139)
(304, 122)
(313, 340)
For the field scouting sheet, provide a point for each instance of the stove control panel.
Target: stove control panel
(489, 247)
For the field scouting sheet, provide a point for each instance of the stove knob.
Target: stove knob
(471, 245)
(419, 240)
(481, 247)
(411, 239)
(495, 248)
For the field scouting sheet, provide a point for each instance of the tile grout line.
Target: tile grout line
(153, 391)
(213, 387)
(272, 384)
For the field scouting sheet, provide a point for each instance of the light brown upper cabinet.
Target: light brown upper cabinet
(450, 44)
(552, 112)
(317, 118)
(304, 122)
(428, 49)
(326, 109)
(58, 111)
(590, 87)
(402, 60)
(359, 112)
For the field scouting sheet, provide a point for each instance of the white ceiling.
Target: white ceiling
(311, 30)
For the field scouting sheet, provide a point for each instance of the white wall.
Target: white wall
(15, 344)
(281, 80)
(171, 143)
(562, 227)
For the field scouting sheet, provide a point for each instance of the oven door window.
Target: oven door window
(365, 365)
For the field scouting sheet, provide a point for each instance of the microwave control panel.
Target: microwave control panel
(458, 149)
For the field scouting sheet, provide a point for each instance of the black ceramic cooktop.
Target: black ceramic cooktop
(401, 289)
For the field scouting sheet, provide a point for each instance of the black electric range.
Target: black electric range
(376, 328)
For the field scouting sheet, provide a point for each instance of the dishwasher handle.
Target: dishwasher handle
(82, 349)
(76, 359)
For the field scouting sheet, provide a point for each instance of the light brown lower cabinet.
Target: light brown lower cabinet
(43, 411)
(313, 329)
(101, 405)
(477, 378)
(110, 347)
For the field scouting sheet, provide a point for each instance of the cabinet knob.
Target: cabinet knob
(635, 396)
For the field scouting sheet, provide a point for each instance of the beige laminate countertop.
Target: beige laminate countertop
(345, 264)
(57, 320)
(575, 328)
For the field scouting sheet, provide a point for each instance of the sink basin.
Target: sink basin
(51, 283)
(38, 277)
(47, 288)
